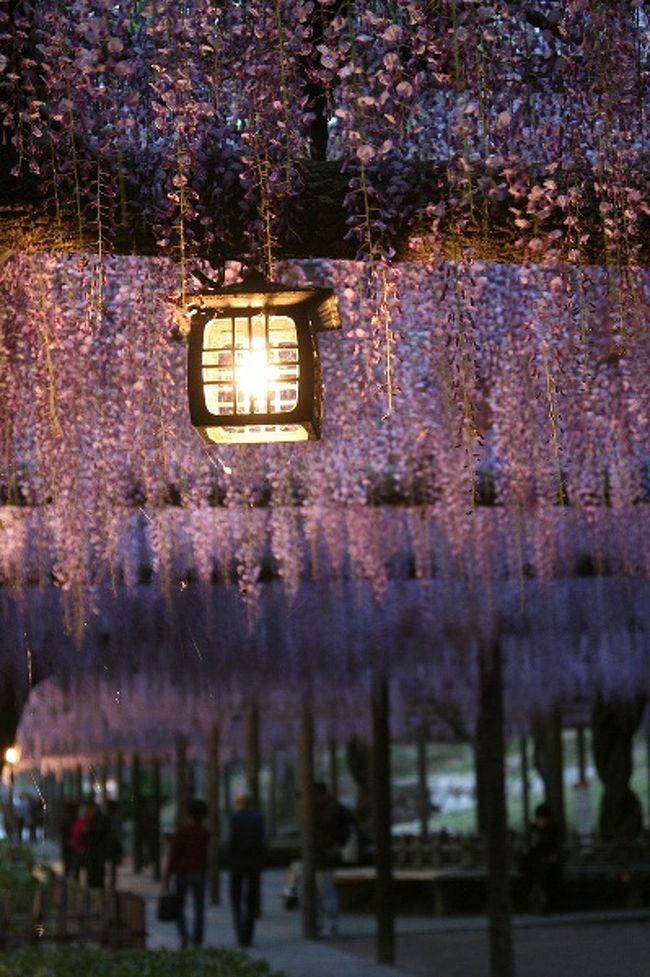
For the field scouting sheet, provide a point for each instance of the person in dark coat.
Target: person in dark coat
(246, 849)
(68, 819)
(88, 843)
(544, 859)
(188, 860)
(114, 845)
(97, 838)
(333, 826)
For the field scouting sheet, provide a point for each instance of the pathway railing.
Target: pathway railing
(67, 912)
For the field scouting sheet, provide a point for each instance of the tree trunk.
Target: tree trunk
(549, 761)
(358, 759)
(614, 725)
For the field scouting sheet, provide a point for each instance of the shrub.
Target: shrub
(82, 961)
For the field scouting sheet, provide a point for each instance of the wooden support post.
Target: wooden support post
(333, 768)
(525, 785)
(272, 813)
(181, 779)
(582, 754)
(423, 783)
(307, 813)
(557, 770)
(647, 745)
(103, 780)
(491, 756)
(136, 797)
(119, 779)
(156, 803)
(214, 817)
(227, 790)
(382, 821)
(253, 752)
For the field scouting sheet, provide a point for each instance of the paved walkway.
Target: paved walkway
(609, 944)
(596, 944)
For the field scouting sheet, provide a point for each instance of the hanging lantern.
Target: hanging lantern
(253, 371)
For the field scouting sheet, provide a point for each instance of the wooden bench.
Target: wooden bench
(443, 885)
(449, 890)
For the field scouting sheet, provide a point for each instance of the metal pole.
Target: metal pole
(381, 810)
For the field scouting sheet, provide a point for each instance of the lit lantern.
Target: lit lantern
(253, 371)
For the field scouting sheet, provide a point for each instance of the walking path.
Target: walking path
(594, 944)
(603, 944)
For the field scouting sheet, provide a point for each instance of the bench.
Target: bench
(444, 890)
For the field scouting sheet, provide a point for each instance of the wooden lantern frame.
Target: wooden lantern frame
(310, 309)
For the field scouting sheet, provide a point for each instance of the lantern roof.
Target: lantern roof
(255, 291)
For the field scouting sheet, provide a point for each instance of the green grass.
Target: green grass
(457, 758)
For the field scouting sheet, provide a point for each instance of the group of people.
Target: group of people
(91, 842)
(186, 868)
(25, 820)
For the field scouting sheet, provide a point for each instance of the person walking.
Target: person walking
(96, 841)
(544, 860)
(333, 827)
(114, 844)
(66, 824)
(188, 857)
(88, 844)
(246, 849)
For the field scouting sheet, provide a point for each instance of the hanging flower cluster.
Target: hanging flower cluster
(170, 111)
(150, 672)
(515, 446)
(486, 425)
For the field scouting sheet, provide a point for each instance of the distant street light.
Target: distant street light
(12, 757)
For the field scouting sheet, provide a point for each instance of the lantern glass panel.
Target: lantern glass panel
(250, 365)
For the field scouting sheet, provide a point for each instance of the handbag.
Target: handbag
(169, 905)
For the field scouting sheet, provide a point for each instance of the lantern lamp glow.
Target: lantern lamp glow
(12, 755)
(253, 371)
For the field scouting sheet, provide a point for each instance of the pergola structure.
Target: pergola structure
(473, 183)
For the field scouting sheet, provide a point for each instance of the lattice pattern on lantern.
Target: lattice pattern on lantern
(250, 365)
(253, 372)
